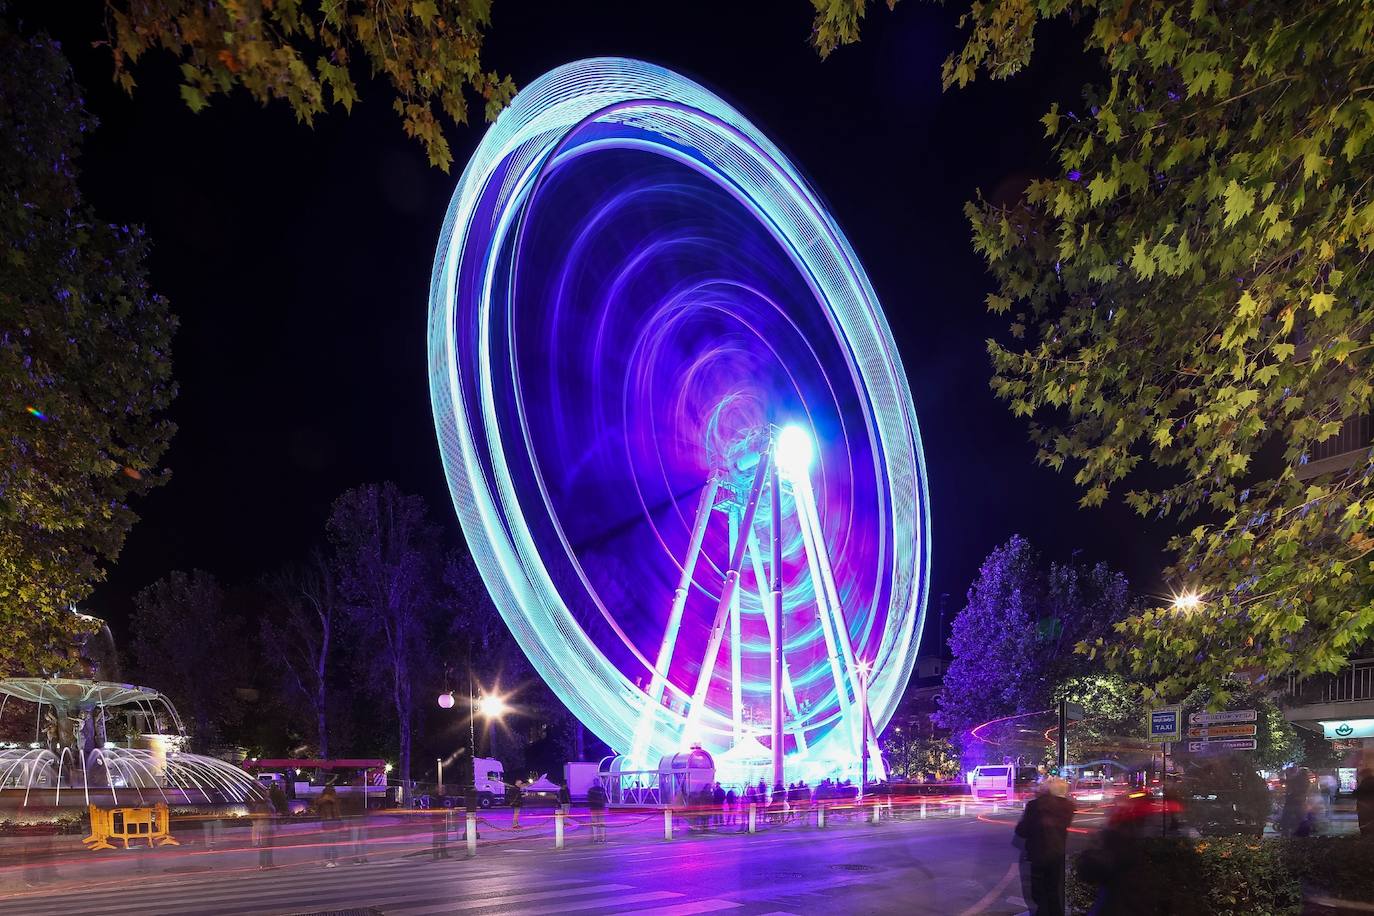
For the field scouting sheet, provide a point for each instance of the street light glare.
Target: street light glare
(492, 707)
(794, 450)
(1188, 601)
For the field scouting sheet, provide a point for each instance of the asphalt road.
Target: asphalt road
(942, 865)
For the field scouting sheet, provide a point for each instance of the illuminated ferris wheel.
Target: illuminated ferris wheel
(675, 426)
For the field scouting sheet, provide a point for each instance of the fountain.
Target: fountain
(103, 743)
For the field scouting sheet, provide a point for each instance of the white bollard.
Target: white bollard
(961, 809)
(558, 828)
(667, 823)
(923, 810)
(877, 812)
(753, 818)
(994, 807)
(471, 829)
(820, 815)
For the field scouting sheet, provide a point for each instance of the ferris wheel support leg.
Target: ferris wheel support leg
(727, 595)
(775, 609)
(736, 650)
(788, 693)
(644, 730)
(807, 513)
(827, 623)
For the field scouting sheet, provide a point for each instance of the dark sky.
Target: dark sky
(298, 260)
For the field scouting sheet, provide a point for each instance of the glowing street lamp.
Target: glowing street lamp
(1188, 601)
(491, 706)
(446, 700)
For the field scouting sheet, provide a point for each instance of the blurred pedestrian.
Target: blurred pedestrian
(1115, 863)
(596, 807)
(564, 799)
(1044, 828)
(1364, 802)
(261, 814)
(516, 795)
(718, 801)
(1296, 786)
(1326, 784)
(330, 821)
(731, 806)
(357, 824)
(440, 824)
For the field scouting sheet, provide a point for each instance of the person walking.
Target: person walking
(261, 813)
(596, 807)
(718, 801)
(515, 793)
(330, 822)
(1364, 802)
(731, 807)
(1296, 786)
(564, 799)
(1044, 828)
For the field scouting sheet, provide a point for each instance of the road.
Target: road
(940, 865)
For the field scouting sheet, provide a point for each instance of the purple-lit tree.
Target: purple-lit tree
(387, 562)
(1013, 642)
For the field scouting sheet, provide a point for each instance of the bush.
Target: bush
(1229, 876)
(1334, 866)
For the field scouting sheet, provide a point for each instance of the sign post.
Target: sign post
(1165, 725)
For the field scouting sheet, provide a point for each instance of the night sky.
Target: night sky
(298, 261)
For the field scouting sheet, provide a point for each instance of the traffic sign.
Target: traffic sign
(1165, 723)
(1222, 718)
(1212, 732)
(1226, 744)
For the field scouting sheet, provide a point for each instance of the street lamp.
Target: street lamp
(1188, 601)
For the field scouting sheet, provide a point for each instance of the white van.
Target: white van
(992, 780)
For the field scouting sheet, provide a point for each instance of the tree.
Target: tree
(298, 635)
(184, 645)
(1189, 296)
(386, 560)
(306, 55)
(916, 758)
(85, 368)
(1112, 711)
(1012, 643)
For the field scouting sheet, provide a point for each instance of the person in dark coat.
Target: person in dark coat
(564, 799)
(515, 794)
(596, 807)
(1044, 829)
(1364, 802)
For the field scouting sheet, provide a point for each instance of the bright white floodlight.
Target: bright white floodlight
(492, 707)
(794, 451)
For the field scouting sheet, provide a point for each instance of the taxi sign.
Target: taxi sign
(1165, 723)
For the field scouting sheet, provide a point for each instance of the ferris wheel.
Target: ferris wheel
(675, 426)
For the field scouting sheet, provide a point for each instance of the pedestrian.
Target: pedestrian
(564, 799)
(261, 814)
(718, 800)
(1364, 802)
(330, 821)
(1295, 789)
(357, 824)
(277, 796)
(515, 794)
(1327, 784)
(596, 807)
(1115, 864)
(1044, 828)
(731, 806)
(439, 823)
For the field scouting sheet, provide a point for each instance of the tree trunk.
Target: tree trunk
(579, 746)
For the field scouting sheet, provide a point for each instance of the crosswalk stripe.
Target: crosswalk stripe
(688, 909)
(609, 903)
(350, 885)
(487, 901)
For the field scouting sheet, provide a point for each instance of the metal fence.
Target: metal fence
(1351, 684)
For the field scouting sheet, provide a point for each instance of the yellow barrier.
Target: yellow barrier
(152, 824)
